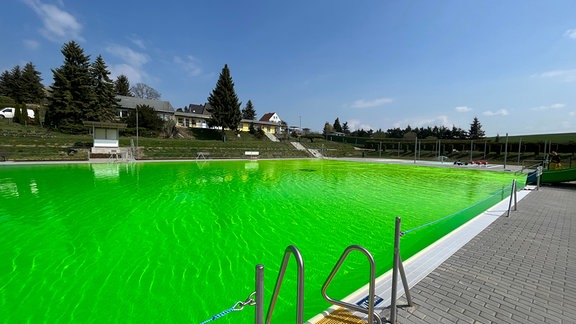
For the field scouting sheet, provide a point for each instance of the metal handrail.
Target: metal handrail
(300, 298)
(532, 166)
(371, 289)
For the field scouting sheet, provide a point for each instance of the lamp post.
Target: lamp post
(136, 128)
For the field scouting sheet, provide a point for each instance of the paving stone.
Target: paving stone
(520, 269)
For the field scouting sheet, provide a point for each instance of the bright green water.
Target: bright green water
(178, 242)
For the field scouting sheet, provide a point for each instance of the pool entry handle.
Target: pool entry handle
(290, 250)
(370, 311)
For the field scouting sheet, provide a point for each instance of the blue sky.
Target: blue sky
(376, 64)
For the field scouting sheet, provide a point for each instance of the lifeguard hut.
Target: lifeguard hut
(106, 138)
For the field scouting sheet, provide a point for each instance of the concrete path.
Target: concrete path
(520, 269)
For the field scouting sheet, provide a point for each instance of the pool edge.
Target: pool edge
(424, 262)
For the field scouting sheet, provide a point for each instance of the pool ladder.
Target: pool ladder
(292, 250)
(397, 271)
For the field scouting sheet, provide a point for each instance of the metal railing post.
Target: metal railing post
(395, 270)
(259, 315)
(398, 267)
(300, 302)
(512, 196)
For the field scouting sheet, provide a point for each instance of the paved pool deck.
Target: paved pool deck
(519, 269)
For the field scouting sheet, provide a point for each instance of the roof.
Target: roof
(187, 114)
(103, 124)
(258, 122)
(199, 109)
(267, 116)
(158, 105)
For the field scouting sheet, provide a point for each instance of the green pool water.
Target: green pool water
(177, 242)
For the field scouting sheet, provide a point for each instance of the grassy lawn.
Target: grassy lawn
(34, 143)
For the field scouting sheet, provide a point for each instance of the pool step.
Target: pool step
(340, 316)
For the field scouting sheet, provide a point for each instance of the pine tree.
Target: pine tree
(72, 90)
(248, 112)
(337, 127)
(16, 86)
(24, 114)
(17, 114)
(345, 128)
(225, 106)
(327, 128)
(5, 79)
(33, 90)
(104, 106)
(122, 86)
(476, 131)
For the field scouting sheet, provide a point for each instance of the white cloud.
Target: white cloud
(441, 120)
(31, 44)
(137, 41)
(133, 63)
(566, 75)
(59, 25)
(128, 55)
(355, 124)
(463, 109)
(500, 112)
(190, 64)
(570, 33)
(550, 107)
(371, 103)
(134, 74)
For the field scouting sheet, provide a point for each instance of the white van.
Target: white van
(8, 112)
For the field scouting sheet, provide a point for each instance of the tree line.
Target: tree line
(437, 132)
(83, 91)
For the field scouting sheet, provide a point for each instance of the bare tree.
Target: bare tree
(144, 91)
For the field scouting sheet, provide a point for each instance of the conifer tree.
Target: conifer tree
(345, 128)
(72, 91)
(327, 128)
(16, 86)
(5, 78)
(22, 85)
(103, 108)
(17, 114)
(248, 112)
(337, 127)
(225, 106)
(33, 90)
(122, 86)
(476, 131)
(24, 114)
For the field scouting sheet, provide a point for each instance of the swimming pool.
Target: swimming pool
(178, 241)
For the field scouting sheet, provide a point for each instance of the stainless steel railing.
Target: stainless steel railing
(371, 289)
(290, 250)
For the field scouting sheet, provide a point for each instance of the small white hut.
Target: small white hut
(106, 137)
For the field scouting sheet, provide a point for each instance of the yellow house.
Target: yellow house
(197, 116)
(267, 127)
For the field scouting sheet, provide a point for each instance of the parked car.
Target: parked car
(8, 112)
